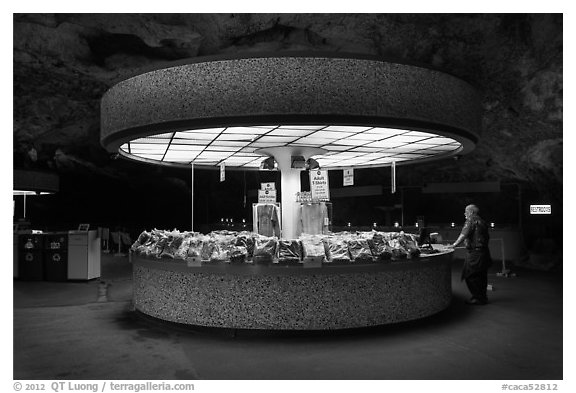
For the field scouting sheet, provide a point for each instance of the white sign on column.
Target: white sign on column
(319, 185)
(348, 177)
(266, 196)
(222, 172)
(268, 186)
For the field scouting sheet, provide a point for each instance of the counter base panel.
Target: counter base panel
(293, 302)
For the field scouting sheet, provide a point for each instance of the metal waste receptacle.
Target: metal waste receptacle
(56, 256)
(31, 264)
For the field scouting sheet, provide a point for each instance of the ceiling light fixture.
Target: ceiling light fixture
(343, 110)
(268, 164)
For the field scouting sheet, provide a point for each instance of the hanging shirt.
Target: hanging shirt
(313, 218)
(268, 222)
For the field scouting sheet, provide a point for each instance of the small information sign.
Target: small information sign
(319, 185)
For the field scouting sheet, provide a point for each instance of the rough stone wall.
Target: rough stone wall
(63, 63)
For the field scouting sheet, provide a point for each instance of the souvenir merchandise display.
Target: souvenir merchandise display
(249, 247)
(266, 219)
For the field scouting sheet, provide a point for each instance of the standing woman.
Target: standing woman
(477, 262)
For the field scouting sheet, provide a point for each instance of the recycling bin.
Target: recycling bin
(31, 257)
(83, 255)
(56, 256)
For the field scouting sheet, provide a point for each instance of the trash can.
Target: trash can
(31, 264)
(56, 256)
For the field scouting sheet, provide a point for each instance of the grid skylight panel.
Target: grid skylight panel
(385, 143)
(180, 147)
(309, 141)
(347, 128)
(168, 135)
(222, 148)
(351, 142)
(335, 148)
(192, 133)
(246, 130)
(277, 139)
(290, 132)
(236, 137)
(343, 145)
(385, 131)
(405, 138)
(301, 127)
(439, 140)
(333, 135)
(154, 141)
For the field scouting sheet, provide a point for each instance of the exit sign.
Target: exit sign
(540, 209)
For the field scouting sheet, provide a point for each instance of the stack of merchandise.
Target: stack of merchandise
(410, 244)
(265, 249)
(336, 246)
(400, 245)
(246, 240)
(241, 247)
(313, 246)
(360, 250)
(289, 252)
(380, 247)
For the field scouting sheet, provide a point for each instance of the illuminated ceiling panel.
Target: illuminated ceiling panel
(345, 146)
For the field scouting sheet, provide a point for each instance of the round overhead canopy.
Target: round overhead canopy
(30, 182)
(363, 111)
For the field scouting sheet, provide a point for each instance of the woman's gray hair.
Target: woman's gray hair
(472, 209)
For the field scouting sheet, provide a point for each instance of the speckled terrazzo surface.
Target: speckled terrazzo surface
(314, 300)
(289, 86)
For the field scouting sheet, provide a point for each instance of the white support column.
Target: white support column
(290, 182)
(192, 197)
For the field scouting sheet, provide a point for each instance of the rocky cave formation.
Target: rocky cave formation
(63, 64)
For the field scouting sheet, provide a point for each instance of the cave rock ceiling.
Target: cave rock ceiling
(63, 64)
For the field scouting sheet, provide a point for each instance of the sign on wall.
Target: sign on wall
(222, 172)
(268, 186)
(319, 185)
(348, 177)
(540, 209)
(266, 196)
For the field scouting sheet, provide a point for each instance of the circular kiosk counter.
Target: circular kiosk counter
(293, 297)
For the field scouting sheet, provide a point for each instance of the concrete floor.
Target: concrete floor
(62, 332)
